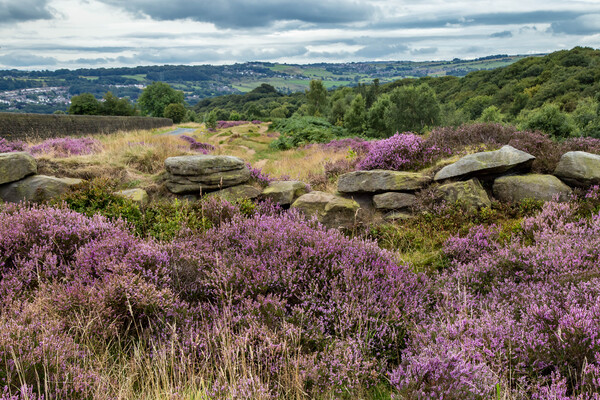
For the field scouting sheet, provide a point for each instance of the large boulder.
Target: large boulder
(330, 210)
(195, 174)
(579, 168)
(393, 201)
(378, 181)
(487, 163)
(139, 196)
(533, 186)
(470, 194)
(36, 188)
(238, 192)
(16, 166)
(284, 192)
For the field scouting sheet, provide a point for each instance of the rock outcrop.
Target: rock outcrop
(331, 210)
(514, 188)
(284, 192)
(195, 174)
(379, 181)
(487, 163)
(470, 194)
(579, 168)
(16, 166)
(36, 188)
(238, 192)
(139, 196)
(393, 201)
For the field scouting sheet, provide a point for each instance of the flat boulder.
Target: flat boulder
(16, 166)
(379, 181)
(36, 188)
(579, 168)
(393, 201)
(486, 163)
(139, 196)
(199, 173)
(515, 188)
(469, 194)
(238, 192)
(284, 192)
(330, 210)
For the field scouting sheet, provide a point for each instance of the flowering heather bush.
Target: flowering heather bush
(231, 124)
(257, 175)
(271, 291)
(520, 316)
(66, 147)
(12, 146)
(357, 145)
(203, 148)
(401, 152)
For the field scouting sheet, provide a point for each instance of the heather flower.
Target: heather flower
(203, 148)
(66, 147)
(11, 146)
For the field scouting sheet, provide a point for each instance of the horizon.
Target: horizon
(72, 34)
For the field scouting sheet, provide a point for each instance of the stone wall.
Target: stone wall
(15, 126)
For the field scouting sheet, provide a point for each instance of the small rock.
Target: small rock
(579, 168)
(200, 173)
(238, 192)
(16, 166)
(377, 181)
(284, 192)
(139, 196)
(533, 186)
(394, 201)
(486, 163)
(36, 188)
(330, 210)
(469, 193)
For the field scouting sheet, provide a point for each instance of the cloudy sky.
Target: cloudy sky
(51, 34)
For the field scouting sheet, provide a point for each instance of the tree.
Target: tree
(113, 105)
(492, 114)
(157, 96)
(316, 96)
(549, 119)
(84, 104)
(412, 108)
(376, 117)
(356, 117)
(211, 120)
(175, 111)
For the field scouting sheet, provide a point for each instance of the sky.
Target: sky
(52, 34)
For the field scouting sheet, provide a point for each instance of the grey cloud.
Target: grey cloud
(507, 18)
(502, 35)
(23, 10)
(249, 13)
(380, 50)
(583, 25)
(26, 60)
(424, 51)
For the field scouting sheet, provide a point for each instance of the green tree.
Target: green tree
(376, 117)
(157, 96)
(549, 119)
(412, 108)
(492, 114)
(474, 106)
(316, 96)
(113, 105)
(356, 117)
(175, 111)
(211, 120)
(84, 104)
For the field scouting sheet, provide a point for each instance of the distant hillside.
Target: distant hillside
(47, 91)
(558, 93)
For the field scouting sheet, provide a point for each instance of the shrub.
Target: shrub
(401, 152)
(203, 148)
(516, 315)
(298, 131)
(12, 146)
(66, 147)
(175, 111)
